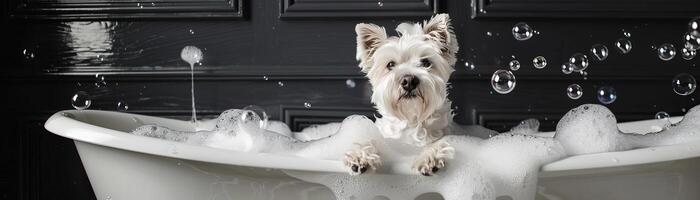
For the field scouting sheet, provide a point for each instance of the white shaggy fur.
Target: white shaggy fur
(419, 116)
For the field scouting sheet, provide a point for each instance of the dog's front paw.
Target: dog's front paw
(433, 158)
(364, 157)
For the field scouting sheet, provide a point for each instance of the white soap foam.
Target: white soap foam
(487, 165)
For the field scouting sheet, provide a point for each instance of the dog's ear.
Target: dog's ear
(369, 38)
(439, 30)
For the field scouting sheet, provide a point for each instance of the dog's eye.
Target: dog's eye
(425, 62)
(390, 65)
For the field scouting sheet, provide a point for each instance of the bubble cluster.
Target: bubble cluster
(684, 84)
(688, 53)
(522, 31)
(539, 62)
(623, 45)
(81, 100)
(191, 55)
(691, 39)
(606, 95)
(666, 51)
(514, 65)
(579, 62)
(503, 81)
(599, 52)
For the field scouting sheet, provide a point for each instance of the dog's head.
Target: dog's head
(408, 73)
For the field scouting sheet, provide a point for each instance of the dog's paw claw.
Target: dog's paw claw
(433, 158)
(361, 159)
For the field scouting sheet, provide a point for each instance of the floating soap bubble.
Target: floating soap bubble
(469, 65)
(100, 80)
(122, 106)
(694, 24)
(539, 62)
(488, 33)
(664, 118)
(503, 81)
(688, 53)
(599, 52)
(350, 83)
(684, 84)
(81, 100)
(567, 68)
(255, 114)
(623, 45)
(626, 33)
(606, 95)
(691, 40)
(514, 65)
(307, 105)
(574, 91)
(191, 55)
(380, 4)
(280, 83)
(666, 51)
(579, 62)
(522, 31)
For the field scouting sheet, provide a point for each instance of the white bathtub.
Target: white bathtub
(124, 166)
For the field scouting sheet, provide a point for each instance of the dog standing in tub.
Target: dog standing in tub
(409, 75)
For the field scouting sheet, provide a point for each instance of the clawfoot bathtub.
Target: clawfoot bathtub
(125, 166)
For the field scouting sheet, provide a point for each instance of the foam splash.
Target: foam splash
(487, 165)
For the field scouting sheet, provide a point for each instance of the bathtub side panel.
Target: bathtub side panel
(120, 174)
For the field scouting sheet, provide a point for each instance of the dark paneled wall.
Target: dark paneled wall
(52, 49)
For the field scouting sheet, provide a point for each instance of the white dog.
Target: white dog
(409, 75)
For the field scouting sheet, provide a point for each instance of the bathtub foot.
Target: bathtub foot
(433, 158)
(364, 157)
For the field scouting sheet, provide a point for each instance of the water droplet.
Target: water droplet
(688, 53)
(599, 52)
(503, 81)
(666, 51)
(514, 65)
(280, 84)
(574, 91)
(694, 24)
(307, 105)
(122, 106)
(81, 100)
(191, 55)
(350, 83)
(579, 62)
(684, 84)
(380, 4)
(539, 62)
(606, 94)
(257, 115)
(623, 45)
(522, 31)
(469, 65)
(691, 40)
(567, 68)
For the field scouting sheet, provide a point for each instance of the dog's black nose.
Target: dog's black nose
(409, 82)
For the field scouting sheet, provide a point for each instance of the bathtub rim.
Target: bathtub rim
(75, 129)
